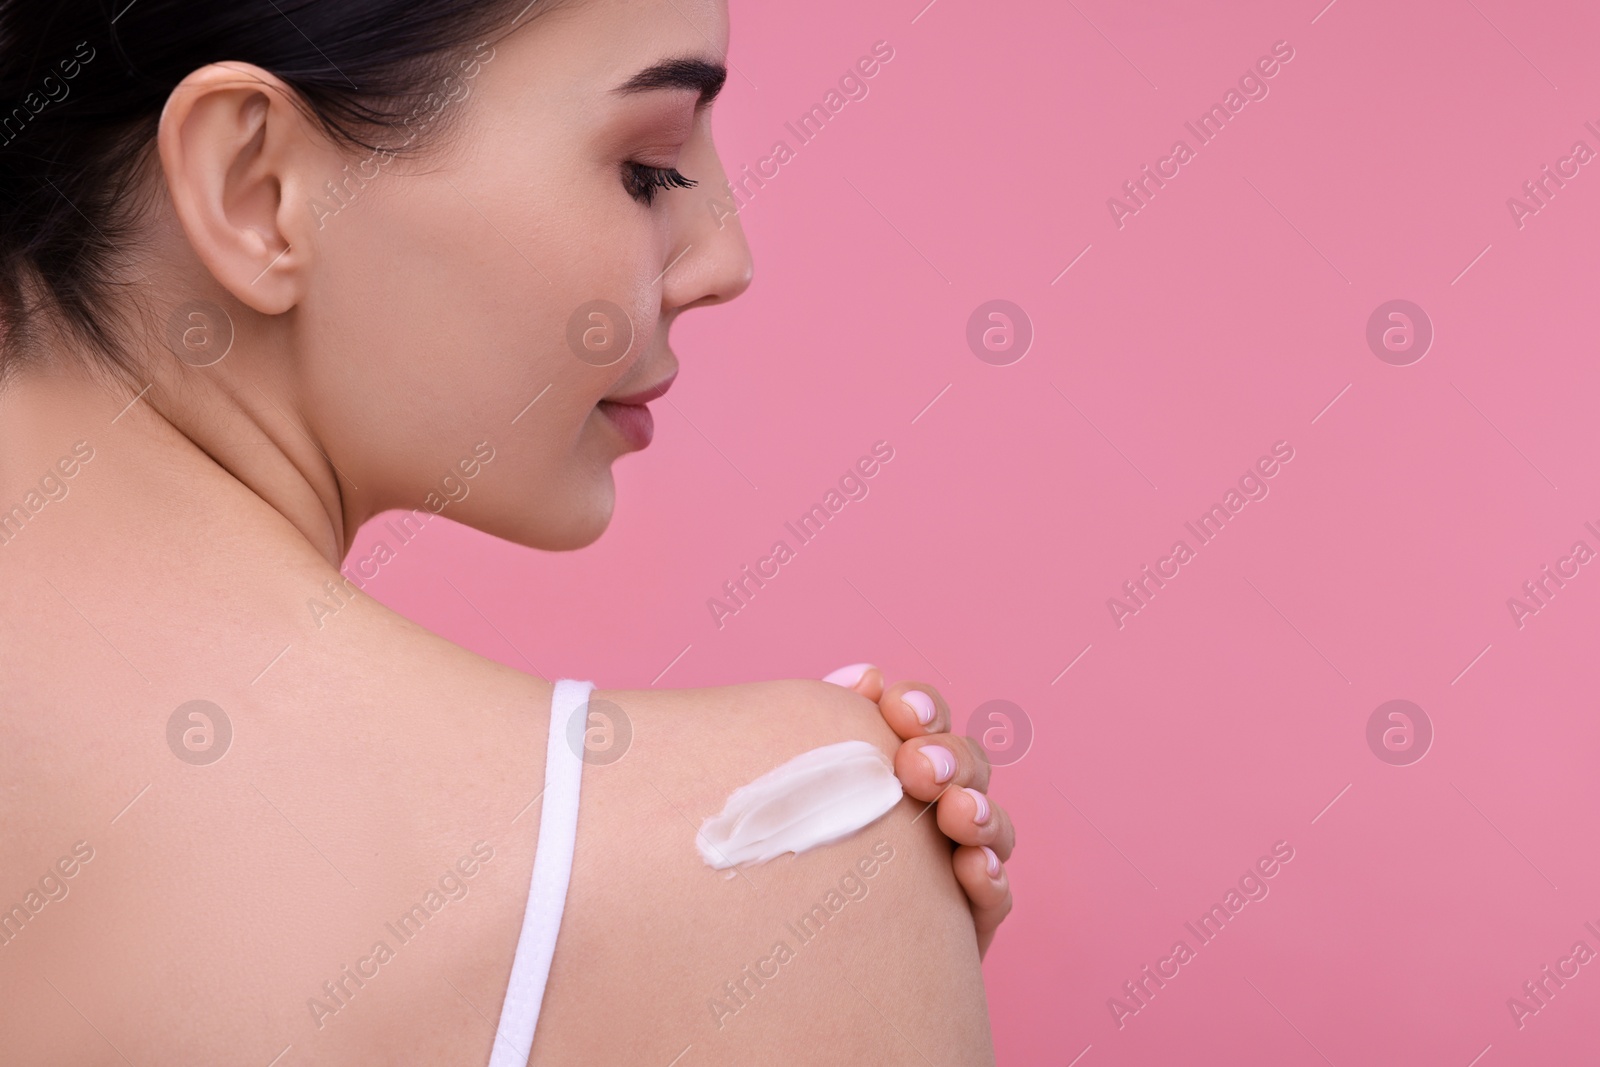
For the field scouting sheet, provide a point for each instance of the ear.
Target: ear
(238, 155)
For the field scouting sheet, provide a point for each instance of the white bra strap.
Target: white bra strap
(552, 870)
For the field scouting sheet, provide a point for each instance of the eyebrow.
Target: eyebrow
(685, 73)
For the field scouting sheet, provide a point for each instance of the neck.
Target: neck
(194, 443)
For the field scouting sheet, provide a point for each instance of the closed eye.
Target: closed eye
(642, 180)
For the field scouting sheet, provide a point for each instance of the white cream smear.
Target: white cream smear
(816, 798)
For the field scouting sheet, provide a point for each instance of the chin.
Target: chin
(573, 524)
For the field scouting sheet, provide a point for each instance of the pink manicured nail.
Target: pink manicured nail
(994, 862)
(849, 676)
(920, 703)
(941, 760)
(983, 806)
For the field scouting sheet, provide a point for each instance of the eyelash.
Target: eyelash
(642, 181)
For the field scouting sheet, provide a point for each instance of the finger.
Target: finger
(989, 893)
(927, 766)
(864, 678)
(914, 709)
(967, 817)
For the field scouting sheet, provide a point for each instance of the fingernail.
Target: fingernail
(994, 862)
(941, 760)
(920, 703)
(983, 806)
(849, 676)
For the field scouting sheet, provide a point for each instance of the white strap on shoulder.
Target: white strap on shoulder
(552, 870)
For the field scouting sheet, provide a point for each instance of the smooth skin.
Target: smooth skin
(372, 350)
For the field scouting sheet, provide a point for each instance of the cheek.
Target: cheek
(457, 304)
(426, 323)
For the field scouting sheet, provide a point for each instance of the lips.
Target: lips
(646, 395)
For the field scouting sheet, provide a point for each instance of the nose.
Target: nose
(710, 259)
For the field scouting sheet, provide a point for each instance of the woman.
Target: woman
(267, 270)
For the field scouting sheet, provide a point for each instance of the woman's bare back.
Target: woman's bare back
(346, 883)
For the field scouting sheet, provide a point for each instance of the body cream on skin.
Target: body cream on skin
(818, 797)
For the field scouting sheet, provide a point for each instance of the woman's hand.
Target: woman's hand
(934, 764)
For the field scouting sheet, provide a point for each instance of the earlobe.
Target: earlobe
(230, 141)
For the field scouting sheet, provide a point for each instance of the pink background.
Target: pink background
(1223, 317)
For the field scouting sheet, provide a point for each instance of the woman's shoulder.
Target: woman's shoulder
(649, 924)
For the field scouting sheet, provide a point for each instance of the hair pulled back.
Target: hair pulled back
(82, 87)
